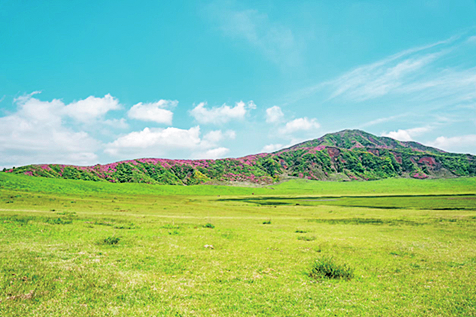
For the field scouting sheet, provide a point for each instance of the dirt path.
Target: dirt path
(27, 210)
(165, 216)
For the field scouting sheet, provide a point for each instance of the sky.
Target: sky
(88, 82)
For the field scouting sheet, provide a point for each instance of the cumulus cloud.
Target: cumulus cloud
(157, 142)
(271, 148)
(214, 137)
(210, 141)
(462, 144)
(406, 135)
(223, 114)
(213, 153)
(116, 123)
(35, 134)
(156, 111)
(274, 114)
(300, 124)
(91, 108)
(43, 132)
(171, 138)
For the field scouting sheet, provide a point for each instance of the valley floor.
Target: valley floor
(72, 248)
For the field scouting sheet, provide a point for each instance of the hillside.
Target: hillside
(345, 155)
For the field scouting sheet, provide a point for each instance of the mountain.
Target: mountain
(350, 139)
(345, 155)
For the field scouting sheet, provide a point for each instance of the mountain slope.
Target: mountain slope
(350, 139)
(345, 155)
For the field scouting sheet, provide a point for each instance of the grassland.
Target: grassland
(77, 248)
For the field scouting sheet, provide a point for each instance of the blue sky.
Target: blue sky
(87, 83)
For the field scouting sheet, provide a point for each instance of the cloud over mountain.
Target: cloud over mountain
(155, 142)
(222, 114)
(274, 114)
(300, 124)
(156, 111)
(36, 132)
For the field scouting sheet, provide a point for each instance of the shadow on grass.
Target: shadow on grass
(419, 202)
(394, 221)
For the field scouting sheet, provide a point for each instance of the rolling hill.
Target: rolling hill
(343, 156)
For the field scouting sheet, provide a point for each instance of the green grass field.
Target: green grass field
(75, 248)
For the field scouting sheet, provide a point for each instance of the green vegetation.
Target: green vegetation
(394, 247)
(209, 225)
(325, 267)
(422, 202)
(111, 240)
(348, 155)
(298, 187)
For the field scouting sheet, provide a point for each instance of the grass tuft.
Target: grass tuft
(169, 226)
(58, 221)
(325, 267)
(111, 240)
(307, 238)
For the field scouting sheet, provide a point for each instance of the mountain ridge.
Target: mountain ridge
(342, 156)
(359, 135)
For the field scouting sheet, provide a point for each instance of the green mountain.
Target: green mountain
(343, 156)
(350, 139)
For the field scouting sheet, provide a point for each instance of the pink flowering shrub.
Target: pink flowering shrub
(420, 175)
(363, 157)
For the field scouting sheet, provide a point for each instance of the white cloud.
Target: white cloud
(271, 148)
(157, 142)
(383, 120)
(401, 135)
(35, 134)
(448, 87)
(300, 124)
(406, 135)
(471, 39)
(394, 74)
(41, 132)
(213, 153)
(379, 79)
(274, 114)
(462, 144)
(116, 123)
(230, 134)
(91, 108)
(408, 78)
(156, 111)
(223, 114)
(213, 137)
